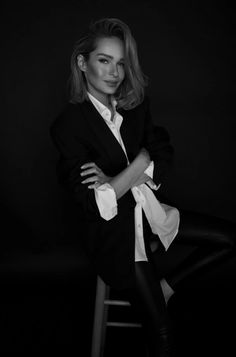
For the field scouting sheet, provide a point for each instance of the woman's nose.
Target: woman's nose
(114, 71)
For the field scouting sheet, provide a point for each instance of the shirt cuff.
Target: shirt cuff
(149, 170)
(106, 201)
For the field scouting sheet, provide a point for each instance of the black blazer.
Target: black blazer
(81, 135)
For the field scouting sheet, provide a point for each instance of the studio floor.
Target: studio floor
(57, 320)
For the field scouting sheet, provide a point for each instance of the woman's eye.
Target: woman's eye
(103, 60)
(121, 64)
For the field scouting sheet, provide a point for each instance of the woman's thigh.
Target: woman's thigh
(201, 229)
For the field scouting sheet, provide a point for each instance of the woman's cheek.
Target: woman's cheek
(96, 71)
(103, 72)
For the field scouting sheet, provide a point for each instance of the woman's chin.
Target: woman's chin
(110, 90)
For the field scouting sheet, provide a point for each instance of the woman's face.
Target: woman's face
(104, 70)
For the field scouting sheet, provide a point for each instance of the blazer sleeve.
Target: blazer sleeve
(157, 142)
(73, 153)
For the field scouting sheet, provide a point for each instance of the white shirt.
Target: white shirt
(163, 219)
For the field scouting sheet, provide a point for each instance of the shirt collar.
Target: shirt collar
(101, 108)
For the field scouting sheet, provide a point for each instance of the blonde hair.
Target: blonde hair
(131, 91)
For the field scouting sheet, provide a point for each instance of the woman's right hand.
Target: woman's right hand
(146, 179)
(144, 156)
(142, 179)
(127, 178)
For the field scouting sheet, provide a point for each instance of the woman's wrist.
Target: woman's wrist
(129, 176)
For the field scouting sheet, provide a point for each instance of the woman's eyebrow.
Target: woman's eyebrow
(111, 57)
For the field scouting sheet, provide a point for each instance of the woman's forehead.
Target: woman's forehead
(110, 46)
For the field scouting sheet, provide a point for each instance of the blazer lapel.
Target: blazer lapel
(128, 133)
(104, 135)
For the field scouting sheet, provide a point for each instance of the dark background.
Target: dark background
(186, 49)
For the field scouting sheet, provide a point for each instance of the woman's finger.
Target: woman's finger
(95, 185)
(90, 179)
(87, 165)
(94, 170)
(152, 185)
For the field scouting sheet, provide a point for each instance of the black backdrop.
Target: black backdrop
(186, 49)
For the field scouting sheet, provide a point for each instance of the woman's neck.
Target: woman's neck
(104, 99)
(107, 101)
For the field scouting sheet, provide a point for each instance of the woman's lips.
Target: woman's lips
(111, 83)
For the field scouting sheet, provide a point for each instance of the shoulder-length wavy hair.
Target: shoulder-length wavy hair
(131, 91)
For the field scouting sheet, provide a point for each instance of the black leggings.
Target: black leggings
(214, 242)
(148, 302)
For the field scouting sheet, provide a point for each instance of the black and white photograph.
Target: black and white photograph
(117, 184)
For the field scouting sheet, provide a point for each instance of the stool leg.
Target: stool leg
(99, 324)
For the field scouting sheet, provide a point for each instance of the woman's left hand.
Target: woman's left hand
(95, 180)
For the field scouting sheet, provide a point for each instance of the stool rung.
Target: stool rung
(116, 302)
(122, 324)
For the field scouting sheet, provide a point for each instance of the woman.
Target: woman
(112, 164)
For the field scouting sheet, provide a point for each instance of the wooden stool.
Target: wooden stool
(102, 303)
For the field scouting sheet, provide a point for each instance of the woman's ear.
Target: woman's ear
(81, 63)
